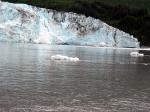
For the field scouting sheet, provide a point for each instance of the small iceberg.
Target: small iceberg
(136, 54)
(65, 58)
(146, 64)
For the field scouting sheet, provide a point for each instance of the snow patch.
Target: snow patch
(64, 58)
(136, 54)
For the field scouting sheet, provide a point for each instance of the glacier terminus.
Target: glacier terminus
(29, 24)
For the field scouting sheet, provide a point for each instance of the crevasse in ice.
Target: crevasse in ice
(25, 23)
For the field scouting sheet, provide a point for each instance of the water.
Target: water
(105, 80)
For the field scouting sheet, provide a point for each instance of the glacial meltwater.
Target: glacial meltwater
(104, 80)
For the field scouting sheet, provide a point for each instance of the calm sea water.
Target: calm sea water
(105, 80)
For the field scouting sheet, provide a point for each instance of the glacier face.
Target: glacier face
(25, 23)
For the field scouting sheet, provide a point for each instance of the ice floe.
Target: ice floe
(65, 58)
(136, 54)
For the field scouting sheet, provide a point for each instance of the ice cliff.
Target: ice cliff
(25, 23)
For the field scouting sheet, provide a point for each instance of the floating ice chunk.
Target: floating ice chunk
(146, 64)
(136, 54)
(64, 58)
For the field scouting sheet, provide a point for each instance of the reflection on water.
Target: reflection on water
(104, 80)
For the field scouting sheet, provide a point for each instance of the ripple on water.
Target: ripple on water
(115, 105)
(58, 109)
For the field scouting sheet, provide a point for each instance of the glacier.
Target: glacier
(29, 24)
